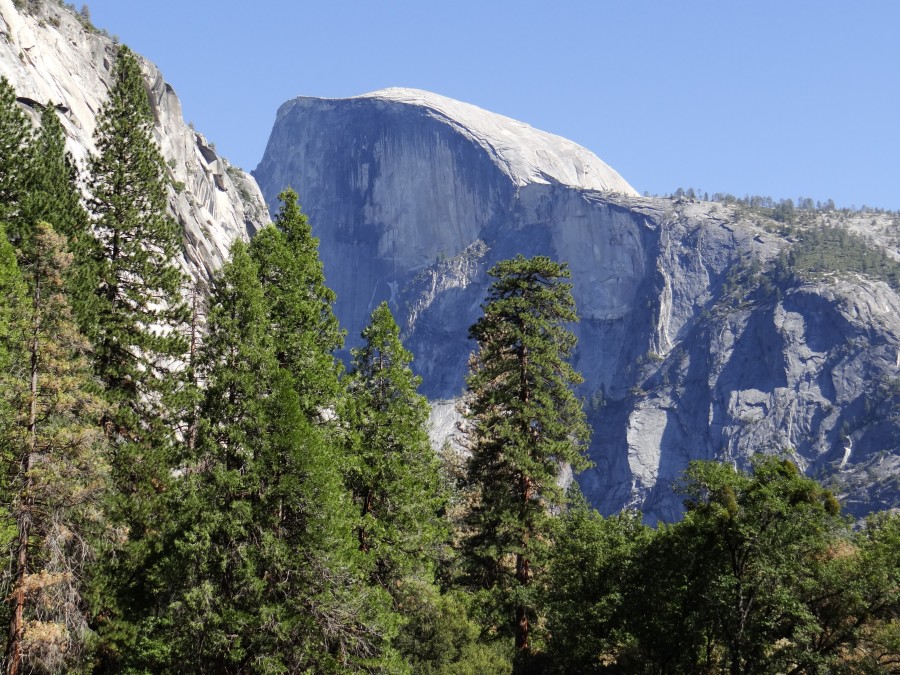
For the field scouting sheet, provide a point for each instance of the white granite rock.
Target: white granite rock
(48, 55)
(414, 196)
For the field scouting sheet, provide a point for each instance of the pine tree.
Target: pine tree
(139, 347)
(142, 317)
(59, 472)
(524, 424)
(52, 193)
(13, 302)
(13, 366)
(219, 589)
(305, 330)
(53, 196)
(263, 570)
(394, 474)
(15, 160)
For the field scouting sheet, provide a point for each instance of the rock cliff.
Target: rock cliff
(690, 344)
(50, 55)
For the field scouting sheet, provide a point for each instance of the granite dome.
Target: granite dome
(526, 154)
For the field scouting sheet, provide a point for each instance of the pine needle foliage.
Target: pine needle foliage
(524, 423)
(53, 196)
(264, 574)
(139, 347)
(394, 474)
(305, 330)
(141, 315)
(15, 160)
(60, 474)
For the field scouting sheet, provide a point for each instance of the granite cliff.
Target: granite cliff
(691, 345)
(51, 55)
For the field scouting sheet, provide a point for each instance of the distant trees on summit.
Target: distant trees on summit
(765, 202)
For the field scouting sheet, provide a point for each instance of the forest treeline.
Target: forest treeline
(779, 209)
(817, 246)
(193, 483)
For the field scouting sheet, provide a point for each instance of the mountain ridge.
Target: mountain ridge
(694, 340)
(528, 154)
(48, 53)
(692, 343)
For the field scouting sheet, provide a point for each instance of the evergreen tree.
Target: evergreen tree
(139, 346)
(13, 303)
(219, 586)
(305, 330)
(13, 366)
(15, 160)
(524, 423)
(141, 315)
(264, 571)
(52, 193)
(394, 474)
(53, 196)
(59, 473)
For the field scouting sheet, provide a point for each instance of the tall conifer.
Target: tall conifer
(13, 306)
(305, 330)
(264, 572)
(13, 366)
(142, 316)
(394, 474)
(15, 160)
(139, 345)
(59, 473)
(524, 424)
(53, 196)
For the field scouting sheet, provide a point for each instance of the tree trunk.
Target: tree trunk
(523, 576)
(523, 625)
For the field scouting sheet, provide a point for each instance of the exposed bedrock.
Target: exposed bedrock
(415, 196)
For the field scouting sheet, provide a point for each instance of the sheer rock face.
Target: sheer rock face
(48, 55)
(415, 196)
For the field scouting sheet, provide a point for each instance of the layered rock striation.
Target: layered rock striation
(52, 56)
(692, 347)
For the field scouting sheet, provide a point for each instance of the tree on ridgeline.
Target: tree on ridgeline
(524, 423)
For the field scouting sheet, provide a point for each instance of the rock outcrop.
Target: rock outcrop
(50, 55)
(690, 346)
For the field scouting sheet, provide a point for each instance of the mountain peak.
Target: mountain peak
(527, 155)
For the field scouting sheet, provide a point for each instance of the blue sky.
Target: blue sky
(782, 98)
